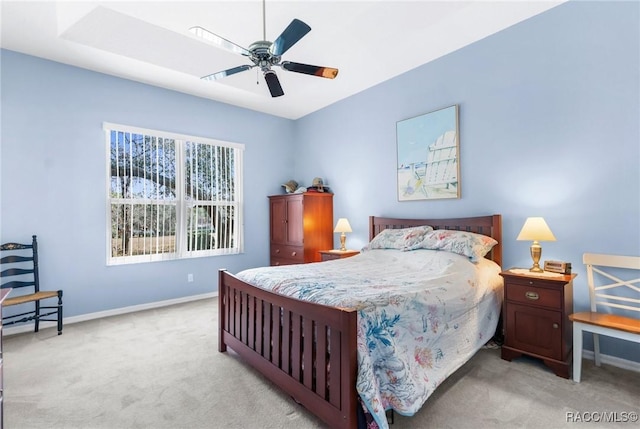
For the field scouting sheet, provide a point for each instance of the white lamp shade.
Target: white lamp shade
(342, 225)
(536, 229)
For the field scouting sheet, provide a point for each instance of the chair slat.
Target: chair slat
(614, 261)
(16, 272)
(17, 284)
(11, 259)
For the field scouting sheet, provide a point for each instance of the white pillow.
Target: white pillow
(465, 243)
(401, 239)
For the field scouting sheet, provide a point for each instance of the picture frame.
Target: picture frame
(428, 152)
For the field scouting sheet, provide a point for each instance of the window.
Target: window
(171, 196)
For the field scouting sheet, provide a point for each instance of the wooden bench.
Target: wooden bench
(607, 323)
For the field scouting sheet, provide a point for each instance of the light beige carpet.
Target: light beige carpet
(161, 369)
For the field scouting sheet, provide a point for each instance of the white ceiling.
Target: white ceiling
(149, 41)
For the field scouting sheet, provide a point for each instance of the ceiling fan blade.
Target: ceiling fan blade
(327, 72)
(225, 73)
(273, 83)
(289, 37)
(219, 41)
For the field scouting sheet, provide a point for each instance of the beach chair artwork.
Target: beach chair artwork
(428, 148)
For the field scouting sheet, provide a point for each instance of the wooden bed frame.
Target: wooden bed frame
(307, 349)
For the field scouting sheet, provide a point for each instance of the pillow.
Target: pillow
(401, 239)
(465, 243)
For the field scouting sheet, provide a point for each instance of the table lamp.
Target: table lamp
(342, 226)
(536, 229)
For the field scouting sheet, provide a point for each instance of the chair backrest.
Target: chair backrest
(606, 269)
(19, 263)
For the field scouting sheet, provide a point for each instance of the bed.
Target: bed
(310, 350)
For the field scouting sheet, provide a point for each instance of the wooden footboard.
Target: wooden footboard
(308, 350)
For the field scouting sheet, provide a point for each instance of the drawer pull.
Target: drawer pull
(294, 253)
(531, 295)
(555, 326)
(277, 251)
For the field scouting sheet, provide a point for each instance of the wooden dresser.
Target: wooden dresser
(301, 226)
(536, 318)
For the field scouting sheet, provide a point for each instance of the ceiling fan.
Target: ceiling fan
(266, 55)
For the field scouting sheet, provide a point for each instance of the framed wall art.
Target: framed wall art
(428, 152)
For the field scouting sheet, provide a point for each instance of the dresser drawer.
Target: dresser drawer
(293, 253)
(284, 261)
(534, 295)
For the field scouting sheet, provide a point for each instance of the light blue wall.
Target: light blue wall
(549, 126)
(54, 177)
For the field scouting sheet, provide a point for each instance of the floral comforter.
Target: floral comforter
(421, 315)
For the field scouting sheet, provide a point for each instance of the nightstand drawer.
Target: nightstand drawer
(533, 295)
(329, 255)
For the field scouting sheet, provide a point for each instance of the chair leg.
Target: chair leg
(37, 318)
(596, 349)
(59, 312)
(577, 351)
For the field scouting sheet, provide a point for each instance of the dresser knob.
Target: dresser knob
(530, 282)
(277, 250)
(294, 253)
(555, 326)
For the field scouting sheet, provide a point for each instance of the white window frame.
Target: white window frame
(182, 203)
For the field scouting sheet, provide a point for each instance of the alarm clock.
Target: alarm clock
(558, 267)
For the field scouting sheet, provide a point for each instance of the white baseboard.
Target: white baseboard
(28, 327)
(613, 361)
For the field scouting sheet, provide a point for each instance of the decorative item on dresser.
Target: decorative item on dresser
(536, 317)
(328, 255)
(301, 226)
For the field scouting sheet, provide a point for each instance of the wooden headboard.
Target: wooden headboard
(487, 225)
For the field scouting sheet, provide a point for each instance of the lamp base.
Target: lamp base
(536, 252)
(343, 239)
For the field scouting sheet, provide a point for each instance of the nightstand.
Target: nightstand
(536, 317)
(328, 255)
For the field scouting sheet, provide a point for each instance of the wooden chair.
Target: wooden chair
(607, 323)
(22, 260)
